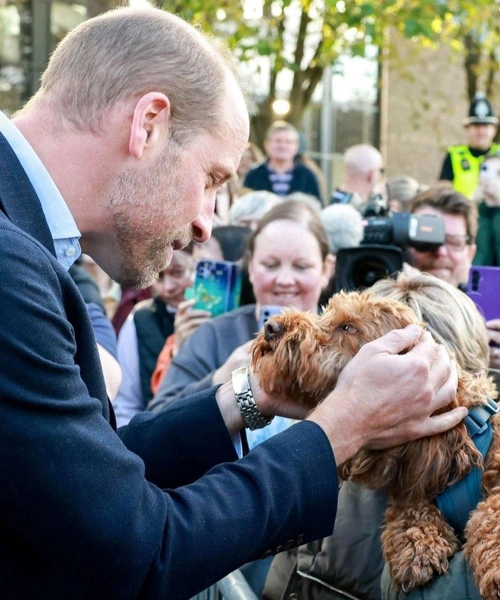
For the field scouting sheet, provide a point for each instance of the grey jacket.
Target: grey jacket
(349, 563)
(205, 351)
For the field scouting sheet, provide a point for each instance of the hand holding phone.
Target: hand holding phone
(217, 286)
(268, 311)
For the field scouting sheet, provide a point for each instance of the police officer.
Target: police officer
(462, 163)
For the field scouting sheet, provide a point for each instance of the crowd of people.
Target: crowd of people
(141, 458)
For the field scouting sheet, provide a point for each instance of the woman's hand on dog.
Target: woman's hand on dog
(240, 357)
(384, 398)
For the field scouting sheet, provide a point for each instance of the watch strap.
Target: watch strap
(247, 406)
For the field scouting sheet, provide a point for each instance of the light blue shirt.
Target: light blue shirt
(61, 224)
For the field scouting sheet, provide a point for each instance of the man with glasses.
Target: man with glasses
(451, 261)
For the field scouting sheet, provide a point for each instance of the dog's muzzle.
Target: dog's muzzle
(272, 330)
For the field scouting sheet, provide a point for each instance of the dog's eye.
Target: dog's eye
(347, 328)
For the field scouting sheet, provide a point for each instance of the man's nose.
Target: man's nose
(202, 226)
(442, 250)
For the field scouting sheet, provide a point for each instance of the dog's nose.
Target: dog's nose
(272, 329)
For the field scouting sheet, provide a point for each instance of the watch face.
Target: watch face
(240, 381)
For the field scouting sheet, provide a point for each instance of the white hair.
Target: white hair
(343, 225)
(308, 199)
(252, 206)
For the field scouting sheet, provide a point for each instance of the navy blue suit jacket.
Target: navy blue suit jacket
(161, 510)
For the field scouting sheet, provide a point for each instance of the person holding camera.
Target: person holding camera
(452, 260)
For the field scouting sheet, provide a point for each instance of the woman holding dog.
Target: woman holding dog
(349, 563)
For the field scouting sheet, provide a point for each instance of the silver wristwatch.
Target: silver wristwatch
(252, 417)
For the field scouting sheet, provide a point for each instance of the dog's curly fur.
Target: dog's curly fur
(302, 358)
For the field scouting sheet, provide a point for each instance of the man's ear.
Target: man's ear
(150, 122)
(372, 176)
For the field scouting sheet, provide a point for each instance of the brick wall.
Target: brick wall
(425, 104)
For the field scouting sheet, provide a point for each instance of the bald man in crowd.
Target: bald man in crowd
(363, 174)
(138, 122)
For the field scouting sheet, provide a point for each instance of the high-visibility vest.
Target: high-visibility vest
(466, 168)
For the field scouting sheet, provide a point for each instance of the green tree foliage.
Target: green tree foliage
(300, 38)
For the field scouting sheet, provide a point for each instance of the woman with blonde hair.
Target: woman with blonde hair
(451, 316)
(349, 563)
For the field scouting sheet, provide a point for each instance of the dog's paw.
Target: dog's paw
(489, 584)
(482, 548)
(484, 559)
(417, 554)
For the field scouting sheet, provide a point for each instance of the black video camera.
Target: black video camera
(383, 250)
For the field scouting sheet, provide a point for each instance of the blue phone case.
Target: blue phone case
(484, 288)
(217, 286)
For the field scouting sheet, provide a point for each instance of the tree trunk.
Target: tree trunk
(472, 62)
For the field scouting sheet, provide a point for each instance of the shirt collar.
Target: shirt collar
(59, 219)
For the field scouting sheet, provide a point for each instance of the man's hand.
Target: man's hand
(384, 398)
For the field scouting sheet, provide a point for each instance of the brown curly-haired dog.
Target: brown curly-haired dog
(300, 356)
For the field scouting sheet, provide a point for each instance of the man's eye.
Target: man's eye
(213, 181)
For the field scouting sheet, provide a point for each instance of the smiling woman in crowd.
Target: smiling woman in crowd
(289, 263)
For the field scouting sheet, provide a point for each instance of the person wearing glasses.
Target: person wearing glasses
(452, 261)
(363, 177)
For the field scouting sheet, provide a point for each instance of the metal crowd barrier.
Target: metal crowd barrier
(232, 587)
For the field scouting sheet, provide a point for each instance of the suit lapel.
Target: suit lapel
(18, 199)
